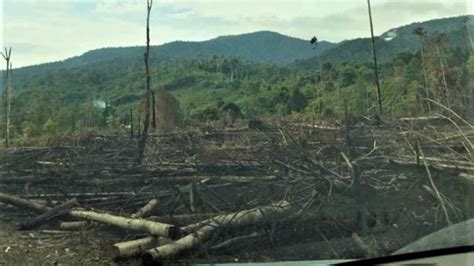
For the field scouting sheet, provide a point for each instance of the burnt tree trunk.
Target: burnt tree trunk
(6, 95)
(131, 123)
(146, 122)
(376, 72)
(153, 108)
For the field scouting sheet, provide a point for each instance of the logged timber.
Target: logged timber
(182, 219)
(204, 229)
(460, 234)
(153, 228)
(174, 248)
(145, 210)
(245, 217)
(49, 215)
(23, 204)
(137, 246)
(74, 226)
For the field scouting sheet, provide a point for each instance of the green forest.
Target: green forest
(100, 94)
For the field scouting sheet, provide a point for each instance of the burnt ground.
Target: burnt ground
(238, 169)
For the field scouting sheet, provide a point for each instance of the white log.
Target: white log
(145, 210)
(153, 228)
(137, 246)
(207, 227)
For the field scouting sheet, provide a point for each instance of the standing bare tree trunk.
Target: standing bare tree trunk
(445, 83)
(376, 72)
(131, 123)
(146, 122)
(7, 95)
(153, 108)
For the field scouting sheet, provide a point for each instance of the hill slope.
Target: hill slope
(395, 41)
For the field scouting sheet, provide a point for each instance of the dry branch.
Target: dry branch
(153, 228)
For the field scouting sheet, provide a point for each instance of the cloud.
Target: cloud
(48, 30)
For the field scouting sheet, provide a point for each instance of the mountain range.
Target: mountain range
(264, 47)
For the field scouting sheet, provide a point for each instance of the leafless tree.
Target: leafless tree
(376, 72)
(146, 122)
(7, 94)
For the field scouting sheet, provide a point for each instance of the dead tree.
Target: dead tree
(146, 122)
(376, 72)
(7, 95)
(131, 123)
(153, 108)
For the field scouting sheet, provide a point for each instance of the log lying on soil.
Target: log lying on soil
(174, 248)
(74, 226)
(153, 228)
(182, 219)
(206, 228)
(137, 246)
(49, 215)
(23, 204)
(461, 234)
(145, 210)
(243, 218)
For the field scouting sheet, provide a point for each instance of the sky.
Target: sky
(42, 31)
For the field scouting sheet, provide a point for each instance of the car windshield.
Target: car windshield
(234, 131)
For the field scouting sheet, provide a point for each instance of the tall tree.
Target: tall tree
(7, 94)
(376, 72)
(146, 122)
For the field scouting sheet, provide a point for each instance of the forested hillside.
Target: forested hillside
(395, 41)
(262, 46)
(100, 94)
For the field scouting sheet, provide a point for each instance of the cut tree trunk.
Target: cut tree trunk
(74, 226)
(205, 228)
(145, 210)
(23, 204)
(245, 217)
(153, 228)
(137, 246)
(49, 215)
(169, 250)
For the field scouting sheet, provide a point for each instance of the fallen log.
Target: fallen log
(74, 226)
(205, 228)
(153, 228)
(166, 251)
(243, 218)
(137, 246)
(145, 210)
(182, 219)
(23, 204)
(49, 215)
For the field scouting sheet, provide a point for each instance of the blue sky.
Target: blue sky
(48, 30)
